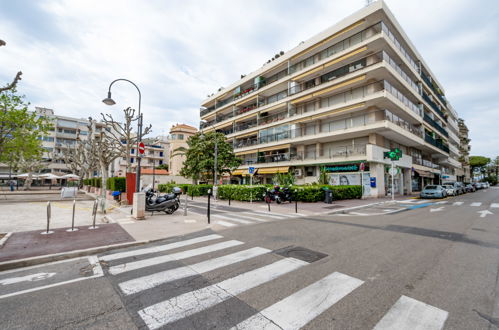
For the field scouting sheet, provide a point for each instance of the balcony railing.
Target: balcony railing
(391, 36)
(436, 143)
(434, 124)
(401, 72)
(428, 82)
(402, 98)
(434, 106)
(329, 154)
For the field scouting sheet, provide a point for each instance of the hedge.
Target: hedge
(168, 187)
(199, 189)
(116, 184)
(242, 192)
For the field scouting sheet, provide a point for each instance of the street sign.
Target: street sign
(142, 148)
(393, 171)
(251, 170)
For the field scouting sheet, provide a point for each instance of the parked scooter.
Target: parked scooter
(278, 195)
(167, 203)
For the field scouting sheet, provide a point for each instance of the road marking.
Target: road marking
(250, 218)
(147, 282)
(408, 313)
(494, 205)
(457, 203)
(358, 213)
(126, 267)
(264, 214)
(233, 219)
(437, 209)
(476, 204)
(226, 224)
(27, 278)
(189, 303)
(190, 221)
(159, 248)
(441, 202)
(484, 213)
(300, 308)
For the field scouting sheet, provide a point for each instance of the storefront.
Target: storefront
(350, 174)
(420, 179)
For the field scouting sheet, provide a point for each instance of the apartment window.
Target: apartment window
(131, 160)
(310, 170)
(161, 154)
(160, 162)
(132, 151)
(180, 136)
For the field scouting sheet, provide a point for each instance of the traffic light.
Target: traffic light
(393, 154)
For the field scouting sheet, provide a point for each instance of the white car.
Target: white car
(449, 189)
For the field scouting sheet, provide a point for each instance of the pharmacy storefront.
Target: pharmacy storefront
(350, 174)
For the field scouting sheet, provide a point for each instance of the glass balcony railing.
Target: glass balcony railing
(399, 46)
(434, 106)
(436, 143)
(428, 82)
(434, 124)
(401, 97)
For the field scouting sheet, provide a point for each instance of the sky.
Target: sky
(178, 52)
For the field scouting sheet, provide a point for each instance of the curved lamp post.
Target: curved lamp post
(109, 101)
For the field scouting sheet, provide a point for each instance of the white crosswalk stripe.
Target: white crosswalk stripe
(147, 282)
(231, 218)
(114, 270)
(408, 313)
(458, 203)
(476, 204)
(159, 248)
(225, 223)
(303, 306)
(494, 205)
(189, 303)
(266, 215)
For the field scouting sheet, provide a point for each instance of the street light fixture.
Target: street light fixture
(109, 101)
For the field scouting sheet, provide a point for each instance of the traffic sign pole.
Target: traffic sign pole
(393, 180)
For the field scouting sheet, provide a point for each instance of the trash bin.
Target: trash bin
(116, 195)
(328, 196)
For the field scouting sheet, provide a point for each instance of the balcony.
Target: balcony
(426, 79)
(434, 106)
(435, 125)
(436, 143)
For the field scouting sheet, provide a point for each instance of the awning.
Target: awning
(237, 172)
(425, 174)
(273, 170)
(246, 152)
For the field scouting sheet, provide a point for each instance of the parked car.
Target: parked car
(470, 188)
(433, 191)
(486, 185)
(478, 185)
(449, 189)
(458, 187)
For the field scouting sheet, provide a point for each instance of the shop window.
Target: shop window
(310, 170)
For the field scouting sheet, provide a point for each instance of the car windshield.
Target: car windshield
(447, 187)
(431, 187)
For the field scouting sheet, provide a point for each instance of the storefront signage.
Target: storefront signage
(345, 168)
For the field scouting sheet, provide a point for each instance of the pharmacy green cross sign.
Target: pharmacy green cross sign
(393, 154)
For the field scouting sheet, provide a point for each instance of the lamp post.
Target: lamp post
(109, 101)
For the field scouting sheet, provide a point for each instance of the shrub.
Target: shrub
(116, 184)
(241, 192)
(199, 189)
(315, 193)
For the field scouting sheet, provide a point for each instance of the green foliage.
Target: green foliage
(116, 184)
(168, 187)
(93, 182)
(199, 189)
(200, 156)
(162, 167)
(315, 193)
(323, 177)
(242, 192)
(478, 162)
(284, 179)
(492, 179)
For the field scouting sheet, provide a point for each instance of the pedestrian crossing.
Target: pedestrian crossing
(248, 269)
(233, 219)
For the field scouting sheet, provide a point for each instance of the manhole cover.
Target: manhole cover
(301, 253)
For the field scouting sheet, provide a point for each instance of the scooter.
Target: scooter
(167, 203)
(277, 195)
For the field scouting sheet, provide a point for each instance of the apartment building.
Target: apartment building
(464, 149)
(178, 141)
(336, 103)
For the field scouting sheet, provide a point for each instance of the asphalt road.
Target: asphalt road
(410, 265)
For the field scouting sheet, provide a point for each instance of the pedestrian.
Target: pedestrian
(11, 184)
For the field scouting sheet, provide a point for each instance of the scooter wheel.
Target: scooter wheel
(278, 201)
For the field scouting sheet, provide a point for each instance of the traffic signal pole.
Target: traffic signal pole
(393, 185)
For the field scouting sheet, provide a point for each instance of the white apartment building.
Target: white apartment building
(340, 99)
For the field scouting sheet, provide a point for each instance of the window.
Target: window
(132, 151)
(161, 154)
(310, 170)
(180, 136)
(131, 160)
(160, 162)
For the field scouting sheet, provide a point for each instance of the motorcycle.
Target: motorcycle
(167, 203)
(278, 195)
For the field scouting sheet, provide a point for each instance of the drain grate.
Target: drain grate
(301, 253)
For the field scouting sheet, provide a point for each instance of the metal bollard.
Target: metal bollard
(73, 219)
(185, 205)
(94, 214)
(296, 203)
(208, 209)
(268, 204)
(49, 214)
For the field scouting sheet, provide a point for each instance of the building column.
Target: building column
(377, 171)
(408, 180)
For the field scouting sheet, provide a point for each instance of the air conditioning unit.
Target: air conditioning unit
(298, 172)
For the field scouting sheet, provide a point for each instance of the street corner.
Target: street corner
(37, 243)
(34, 278)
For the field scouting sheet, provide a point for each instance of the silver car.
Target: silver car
(449, 189)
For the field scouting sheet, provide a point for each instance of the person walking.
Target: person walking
(11, 184)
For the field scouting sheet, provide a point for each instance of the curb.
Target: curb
(4, 239)
(18, 263)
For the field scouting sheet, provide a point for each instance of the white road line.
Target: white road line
(225, 224)
(245, 222)
(476, 204)
(159, 248)
(261, 214)
(457, 203)
(303, 306)
(189, 303)
(494, 205)
(147, 282)
(118, 269)
(408, 313)
(358, 213)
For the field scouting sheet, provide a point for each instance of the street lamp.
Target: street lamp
(109, 101)
(216, 153)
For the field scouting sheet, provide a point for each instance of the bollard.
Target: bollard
(192, 195)
(296, 203)
(208, 209)
(73, 219)
(49, 214)
(185, 205)
(94, 214)
(229, 199)
(268, 204)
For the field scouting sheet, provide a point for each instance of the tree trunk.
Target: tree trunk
(28, 181)
(103, 169)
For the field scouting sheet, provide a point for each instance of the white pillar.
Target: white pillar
(139, 205)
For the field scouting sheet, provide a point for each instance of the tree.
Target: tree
(162, 167)
(478, 162)
(200, 156)
(122, 133)
(21, 132)
(16, 79)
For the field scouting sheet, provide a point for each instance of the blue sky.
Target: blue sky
(180, 51)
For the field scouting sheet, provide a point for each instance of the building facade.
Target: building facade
(464, 149)
(336, 103)
(178, 141)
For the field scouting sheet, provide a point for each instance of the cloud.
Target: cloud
(179, 51)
